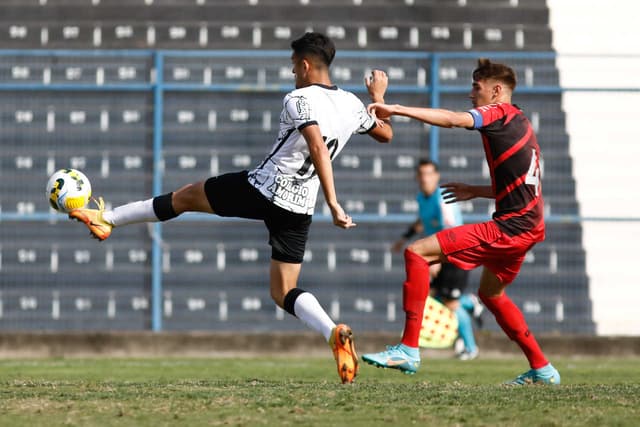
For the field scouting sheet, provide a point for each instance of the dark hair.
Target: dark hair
(493, 70)
(427, 162)
(316, 45)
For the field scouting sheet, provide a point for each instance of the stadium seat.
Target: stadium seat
(215, 275)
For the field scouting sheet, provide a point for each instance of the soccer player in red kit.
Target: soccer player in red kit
(499, 245)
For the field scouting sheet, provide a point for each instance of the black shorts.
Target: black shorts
(450, 283)
(231, 195)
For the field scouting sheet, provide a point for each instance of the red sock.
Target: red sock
(512, 322)
(414, 295)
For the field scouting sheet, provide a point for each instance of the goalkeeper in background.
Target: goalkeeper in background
(449, 281)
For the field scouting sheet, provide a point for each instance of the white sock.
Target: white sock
(309, 310)
(131, 213)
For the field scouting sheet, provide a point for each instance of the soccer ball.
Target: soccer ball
(68, 189)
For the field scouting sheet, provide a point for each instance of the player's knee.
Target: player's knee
(191, 197)
(427, 248)
(413, 251)
(484, 297)
(181, 200)
(412, 247)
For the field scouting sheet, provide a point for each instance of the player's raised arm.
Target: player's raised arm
(377, 84)
(432, 116)
(322, 163)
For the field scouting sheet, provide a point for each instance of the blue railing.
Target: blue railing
(158, 84)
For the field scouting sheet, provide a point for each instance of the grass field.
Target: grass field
(305, 392)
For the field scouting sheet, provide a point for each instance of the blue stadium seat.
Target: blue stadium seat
(216, 273)
(19, 35)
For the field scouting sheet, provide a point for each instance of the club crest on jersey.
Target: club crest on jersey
(289, 190)
(303, 108)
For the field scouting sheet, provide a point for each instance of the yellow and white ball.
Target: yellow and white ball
(68, 189)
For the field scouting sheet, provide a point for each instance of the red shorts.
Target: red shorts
(471, 245)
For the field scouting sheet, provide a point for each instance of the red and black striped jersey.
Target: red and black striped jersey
(513, 156)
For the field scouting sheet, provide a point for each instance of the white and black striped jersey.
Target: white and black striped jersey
(287, 176)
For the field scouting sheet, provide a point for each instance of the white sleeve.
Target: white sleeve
(300, 111)
(365, 121)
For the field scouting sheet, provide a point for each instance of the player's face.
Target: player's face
(299, 70)
(428, 179)
(483, 92)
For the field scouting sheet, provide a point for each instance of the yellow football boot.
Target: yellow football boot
(92, 218)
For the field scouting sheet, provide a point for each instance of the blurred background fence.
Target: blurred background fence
(142, 122)
(147, 95)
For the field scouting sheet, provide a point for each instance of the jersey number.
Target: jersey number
(533, 175)
(332, 146)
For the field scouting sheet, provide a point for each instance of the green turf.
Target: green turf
(302, 392)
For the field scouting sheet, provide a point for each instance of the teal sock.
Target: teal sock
(466, 302)
(465, 329)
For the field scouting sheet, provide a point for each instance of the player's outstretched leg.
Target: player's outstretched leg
(93, 219)
(344, 351)
(545, 375)
(101, 222)
(191, 197)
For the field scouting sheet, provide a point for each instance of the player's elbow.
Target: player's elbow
(319, 153)
(383, 135)
(461, 120)
(451, 121)
(384, 139)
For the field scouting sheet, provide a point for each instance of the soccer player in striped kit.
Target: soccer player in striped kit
(316, 122)
(499, 245)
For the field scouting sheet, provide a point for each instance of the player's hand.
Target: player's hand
(340, 218)
(381, 111)
(379, 122)
(456, 192)
(377, 84)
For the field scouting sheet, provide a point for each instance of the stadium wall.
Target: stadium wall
(233, 344)
(118, 127)
(94, 128)
(597, 46)
(205, 113)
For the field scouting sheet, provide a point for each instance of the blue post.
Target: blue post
(434, 132)
(156, 248)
